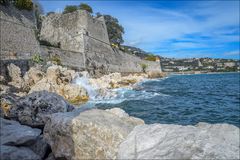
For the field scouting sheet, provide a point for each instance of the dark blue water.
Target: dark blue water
(185, 99)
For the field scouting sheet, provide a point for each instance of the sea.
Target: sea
(180, 99)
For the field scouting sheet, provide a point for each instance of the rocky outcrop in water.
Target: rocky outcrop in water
(166, 141)
(155, 74)
(116, 80)
(93, 134)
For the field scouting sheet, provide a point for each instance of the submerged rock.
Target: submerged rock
(93, 134)
(166, 141)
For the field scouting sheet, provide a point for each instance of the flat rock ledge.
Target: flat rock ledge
(167, 141)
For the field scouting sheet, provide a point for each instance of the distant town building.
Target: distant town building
(229, 64)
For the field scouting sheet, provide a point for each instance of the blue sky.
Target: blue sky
(180, 29)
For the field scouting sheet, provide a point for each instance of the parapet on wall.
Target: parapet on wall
(18, 40)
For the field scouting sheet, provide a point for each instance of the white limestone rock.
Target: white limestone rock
(167, 141)
(93, 134)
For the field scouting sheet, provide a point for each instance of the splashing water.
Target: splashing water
(112, 96)
(83, 81)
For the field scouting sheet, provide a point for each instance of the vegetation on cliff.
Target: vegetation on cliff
(115, 30)
(20, 4)
(82, 6)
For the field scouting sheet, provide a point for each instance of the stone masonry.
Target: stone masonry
(17, 33)
(82, 33)
(82, 41)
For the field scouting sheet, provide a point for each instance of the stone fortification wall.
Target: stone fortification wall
(82, 41)
(87, 36)
(75, 60)
(17, 34)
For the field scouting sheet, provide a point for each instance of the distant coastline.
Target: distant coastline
(198, 72)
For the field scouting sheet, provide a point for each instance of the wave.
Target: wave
(119, 95)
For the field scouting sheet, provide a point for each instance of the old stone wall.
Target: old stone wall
(74, 60)
(18, 40)
(87, 36)
(82, 41)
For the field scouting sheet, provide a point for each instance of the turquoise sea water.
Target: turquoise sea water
(183, 99)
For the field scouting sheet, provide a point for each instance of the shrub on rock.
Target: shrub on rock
(69, 9)
(86, 7)
(24, 4)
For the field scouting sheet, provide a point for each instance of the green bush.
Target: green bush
(150, 58)
(86, 7)
(69, 9)
(56, 59)
(37, 59)
(49, 13)
(144, 67)
(24, 4)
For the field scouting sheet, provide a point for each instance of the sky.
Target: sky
(179, 29)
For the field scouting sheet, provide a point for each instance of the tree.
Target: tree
(24, 4)
(69, 9)
(86, 7)
(144, 67)
(115, 30)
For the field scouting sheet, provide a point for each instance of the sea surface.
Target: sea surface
(182, 99)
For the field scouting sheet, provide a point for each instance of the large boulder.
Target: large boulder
(14, 134)
(58, 80)
(93, 134)
(34, 108)
(19, 141)
(166, 141)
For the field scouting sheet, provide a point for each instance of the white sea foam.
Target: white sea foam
(115, 96)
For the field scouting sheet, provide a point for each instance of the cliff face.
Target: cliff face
(18, 40)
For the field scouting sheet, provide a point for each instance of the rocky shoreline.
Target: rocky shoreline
(40, 120)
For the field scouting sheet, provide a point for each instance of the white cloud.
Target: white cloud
(150, 27)
(232, 53)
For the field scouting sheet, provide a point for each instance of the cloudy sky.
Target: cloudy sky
(180, 29)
